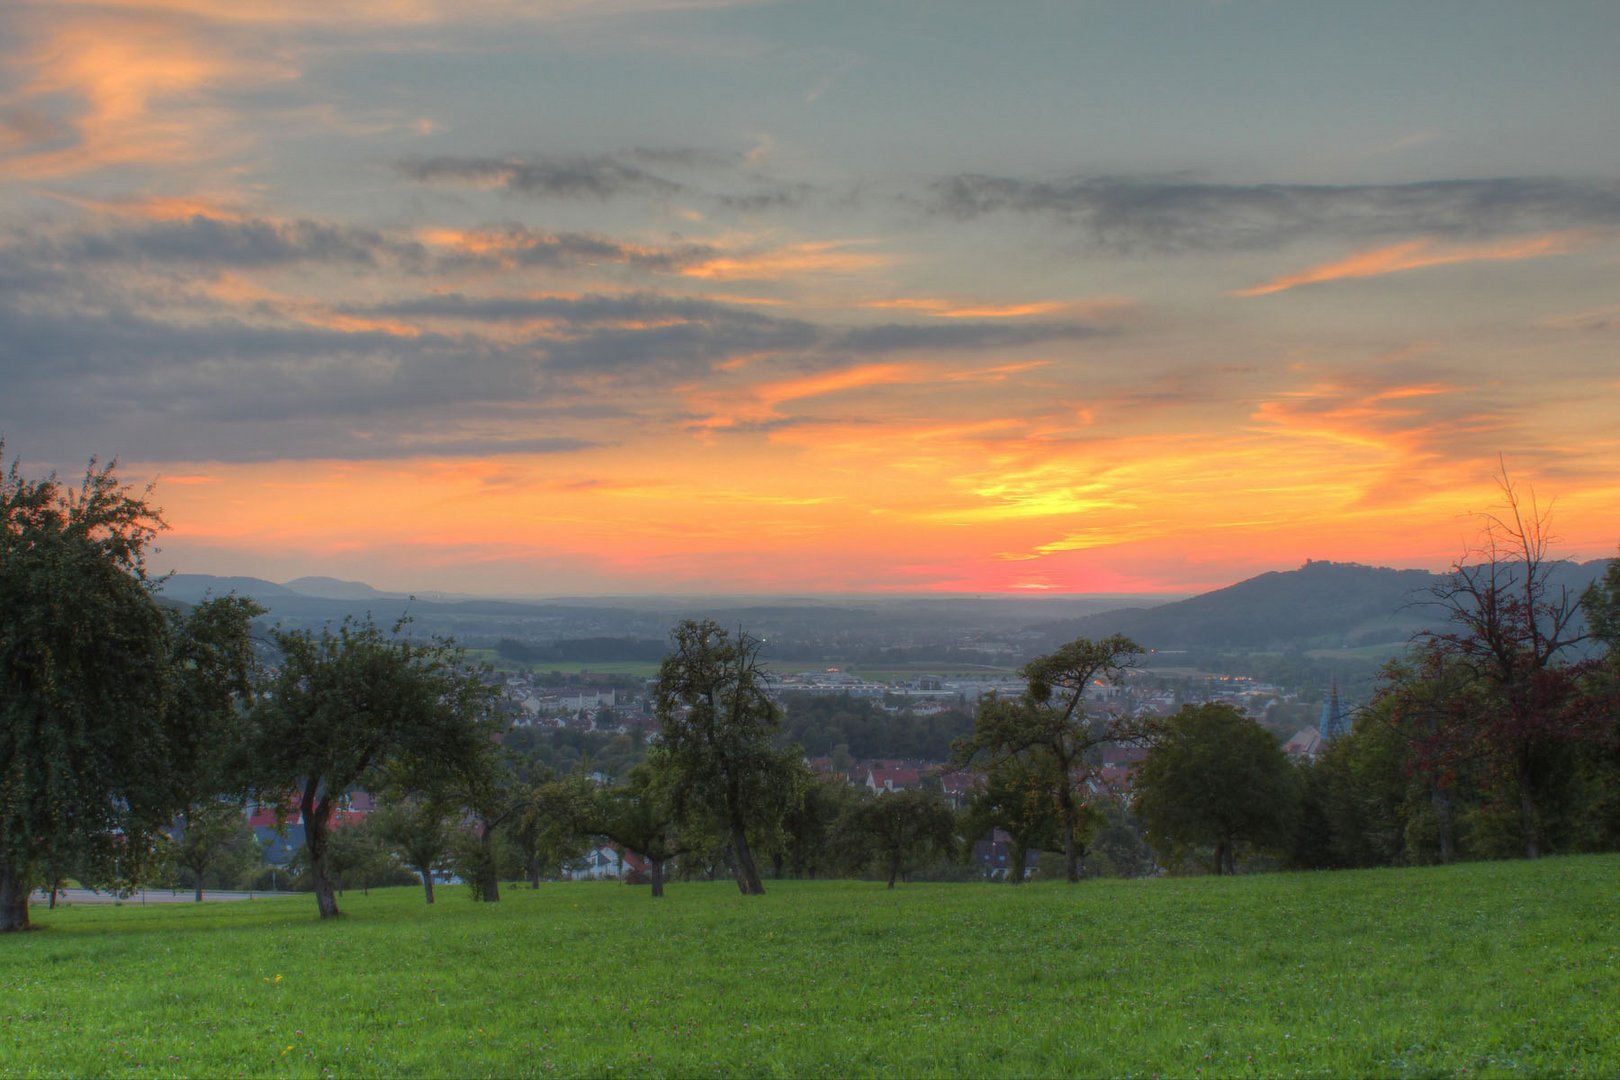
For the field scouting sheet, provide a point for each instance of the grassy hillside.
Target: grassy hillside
(1495, 969)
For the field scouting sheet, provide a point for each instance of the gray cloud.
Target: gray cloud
(222, 242)
(591, 309)
(897, 337)
(601, 177)
(1175, 214)
(536, 247)
(638, 171)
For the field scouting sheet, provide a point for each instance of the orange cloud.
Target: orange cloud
(773, 263)
(1418, 254)
(946, 309)
(137, 84)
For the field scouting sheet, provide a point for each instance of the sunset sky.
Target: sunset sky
(548, 297)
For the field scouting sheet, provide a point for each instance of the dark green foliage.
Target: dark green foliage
(821, 723)
(1050, 734)
(563, 750)
(1601, 605)
(214, 842)
(108, 721)
(579, 650)
(896, 831)
(548, 829)
(716, 741)
(1214, 779)
(356, 857)
(1018, 799)
(348, 708)
(639, 815)
(812, 844)
(420, 830)
(1119, 847)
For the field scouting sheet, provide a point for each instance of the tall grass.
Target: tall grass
(1494, 969)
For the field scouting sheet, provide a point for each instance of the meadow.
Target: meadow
(1498, 969)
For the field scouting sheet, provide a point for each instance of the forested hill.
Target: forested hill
(1320, 605)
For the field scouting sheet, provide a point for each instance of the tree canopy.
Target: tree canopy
(347, 707)
(1050, 732)
(1214, 778)
(716, 725)
(104, 728)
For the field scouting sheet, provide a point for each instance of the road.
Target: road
(146, 896)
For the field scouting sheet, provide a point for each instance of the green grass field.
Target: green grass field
(1505, 969)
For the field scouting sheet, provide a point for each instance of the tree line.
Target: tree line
(132, 731)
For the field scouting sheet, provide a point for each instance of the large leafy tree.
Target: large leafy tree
(100, 742)
(1017, 798)
(346, 709)
(895, 832)
(812, 843)
(716, 725)
(1050, 732)
(1214, 778)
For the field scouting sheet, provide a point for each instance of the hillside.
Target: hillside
(1497, 969)
(1324, 605)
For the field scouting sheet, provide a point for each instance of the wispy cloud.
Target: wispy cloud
(956, 309)
(601, 177)
(1420, 254)
(1178, 214)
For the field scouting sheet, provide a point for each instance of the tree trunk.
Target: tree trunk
(491, 874)
(747, 875)
(657, 875)
(894, 870)
(198, 897)
(1527, 821)
(1225, 859)
(1443, 825)
(427, 881)
(316, 833)
(1071, 850)
(1015, 863)
(13, 898)
(56, 887)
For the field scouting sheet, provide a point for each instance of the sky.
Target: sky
(561, 297)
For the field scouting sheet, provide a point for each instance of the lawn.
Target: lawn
(1506, 969)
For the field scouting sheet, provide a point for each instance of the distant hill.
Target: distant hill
(1323, 605)
(190, 588)
(327, 588)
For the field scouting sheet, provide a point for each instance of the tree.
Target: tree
(97, 755)
(1214, 777)
(1601, 604)
(356, 854)
(1513, 628)
(548, 828)
(1018, 799)
(715, 728)
(899, 830)
(213, 836)
(811, 843)
(1050, 730)
(639, 815)
(420, 830)
(346, 709)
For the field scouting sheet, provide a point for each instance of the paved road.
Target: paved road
(147, 896)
